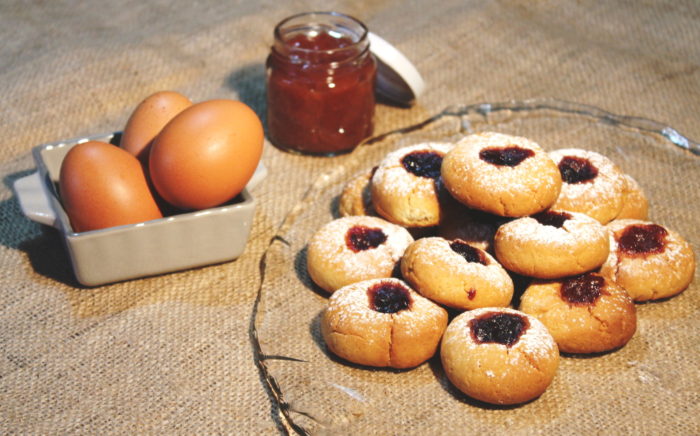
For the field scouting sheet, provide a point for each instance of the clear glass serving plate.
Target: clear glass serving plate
(649, 386)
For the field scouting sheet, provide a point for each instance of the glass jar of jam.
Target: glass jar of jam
(320, 84)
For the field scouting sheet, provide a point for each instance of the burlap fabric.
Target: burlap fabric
(173, 354)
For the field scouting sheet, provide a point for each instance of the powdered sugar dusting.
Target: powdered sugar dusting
(467, 176)
(493, 177)
(391, 178)
(675, 248)
(535, 342)
(403, 197)
(600, 198)
(580, 229)
(352, 303)
(436, 252)
(329, 251)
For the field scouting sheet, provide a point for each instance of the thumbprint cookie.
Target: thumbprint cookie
(552, 244)
(648, 260)
(585, 314)
(382, 323)
(456, 274)
(593, 184)
(355, 248)
(501, 174)
(499, 355)
(406, 185)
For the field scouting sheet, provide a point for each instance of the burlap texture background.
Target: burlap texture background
(172, 354)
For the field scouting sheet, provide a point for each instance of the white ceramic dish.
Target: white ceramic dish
(173, 243)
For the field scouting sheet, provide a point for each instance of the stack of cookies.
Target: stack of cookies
(440, 229)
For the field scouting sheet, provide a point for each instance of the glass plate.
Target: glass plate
(628, 390)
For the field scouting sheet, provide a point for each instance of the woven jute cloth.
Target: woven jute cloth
(174, 354)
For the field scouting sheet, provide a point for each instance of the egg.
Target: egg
(206, 154)
(147, 120)
(102, 185)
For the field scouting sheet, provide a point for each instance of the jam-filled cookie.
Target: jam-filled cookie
(552, 244)
(356, 198)
(499, 355)
(648, 260)
(456, 274)
(351, 249)
(585, 313)
(501, 174)
(593, 184)
(382, 323)
(635, 204)
(406, 187)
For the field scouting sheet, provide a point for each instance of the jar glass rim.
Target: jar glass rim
(363, 31)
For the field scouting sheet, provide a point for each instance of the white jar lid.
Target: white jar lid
(397, 78)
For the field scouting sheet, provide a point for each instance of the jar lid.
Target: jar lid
(397, 78)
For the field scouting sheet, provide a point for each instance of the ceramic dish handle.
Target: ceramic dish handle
(33, 200)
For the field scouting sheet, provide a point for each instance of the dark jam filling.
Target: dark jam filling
(507, 156)
(469, 253)
(642, 239)
(551, 218)
(423, 164)
(577, 170)
(497, 327)
(583, 289)
(360, 238)
(388, 297)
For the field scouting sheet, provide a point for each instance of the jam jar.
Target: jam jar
(320, 84)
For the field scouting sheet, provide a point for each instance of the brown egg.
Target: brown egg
(147, 120)
(206, 154)
(103, 186)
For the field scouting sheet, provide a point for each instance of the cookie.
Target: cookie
(405, 187)
(552, 244)
(382, 323)
(456, 274)
(501, 174)
(351, 249)
(585, 314)
(499, 355)
(356, 198)
(592, 184)
(648, 260)
(635, 204)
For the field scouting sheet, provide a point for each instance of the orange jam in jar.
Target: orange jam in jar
(320, 84)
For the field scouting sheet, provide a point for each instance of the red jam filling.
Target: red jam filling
(552, 218)
(423, 164)
(389, 297)
(576, 169)
(584, 289)
(510, 156)
(469, 253)
(642, 239)
(361, 238)
(499, 328)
